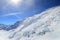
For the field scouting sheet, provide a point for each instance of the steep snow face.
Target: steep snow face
(43, 26)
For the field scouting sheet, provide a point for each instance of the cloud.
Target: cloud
(25, 6)
(11, 14)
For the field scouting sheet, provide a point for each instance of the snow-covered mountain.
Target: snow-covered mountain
(43, 26)
(14, 26)
(10, 27)
(4, 27)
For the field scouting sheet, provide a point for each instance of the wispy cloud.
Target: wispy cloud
(25, 5)
(11, 14)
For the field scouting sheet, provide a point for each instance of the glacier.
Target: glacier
(43, 26)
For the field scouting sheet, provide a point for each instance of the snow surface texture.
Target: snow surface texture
(43, 26)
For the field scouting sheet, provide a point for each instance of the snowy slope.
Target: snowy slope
(43, 26)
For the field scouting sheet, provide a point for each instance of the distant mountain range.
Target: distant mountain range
(10, 27)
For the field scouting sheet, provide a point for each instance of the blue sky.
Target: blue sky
(11, 12)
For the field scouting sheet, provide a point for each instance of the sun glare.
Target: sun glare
(15, 1)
